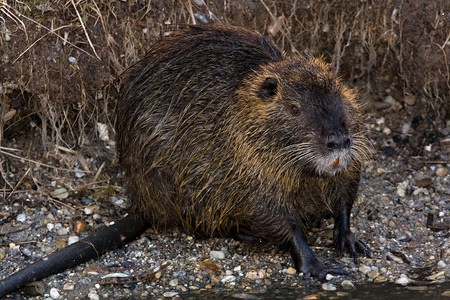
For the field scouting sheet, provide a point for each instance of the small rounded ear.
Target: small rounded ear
(268, 88)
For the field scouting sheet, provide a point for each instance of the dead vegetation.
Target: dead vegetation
(60, 58)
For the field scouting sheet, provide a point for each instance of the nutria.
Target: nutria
(220, 133)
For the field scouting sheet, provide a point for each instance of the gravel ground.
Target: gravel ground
(403, 214)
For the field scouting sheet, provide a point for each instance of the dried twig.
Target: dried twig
(17, 13)
(84, 29)
(36, 162)
(18, 184)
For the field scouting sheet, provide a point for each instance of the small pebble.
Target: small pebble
(403, 280)
(86, 200)
(441, 171)
(381, 171)
(79, 174)
(26, 252)
(396, 106)
(59, 244)
(379, 121)
(78, 226)
(410, 100)
(62, 231)
(201, 18)
(118, 202)
(72, 239)
(373, 274)
(173, 282)
(69, 287)
(441, 264)
(401, 191)
(88, 210)
(405, 128)
(46, 248)
(329, 277)
(61, 193)
(291, 271)
(347, 284)
(73, 60)
(228, 279)
(2, 254)
(364, 269)
(312, 297)
(387, 131)
(260, 274)
(328, 287)
(170, 294)
(21, 218)
(93, 296)
(54, 293)
(217, 254)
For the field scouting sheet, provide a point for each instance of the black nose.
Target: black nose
(338, 141)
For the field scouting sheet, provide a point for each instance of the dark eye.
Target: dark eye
(295, 109)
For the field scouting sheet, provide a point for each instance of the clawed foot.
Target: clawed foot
(320, 272)
(348, 241)
(247, 236)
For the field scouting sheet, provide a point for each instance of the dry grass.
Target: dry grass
(378, 46)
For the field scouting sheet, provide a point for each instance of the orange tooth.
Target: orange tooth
(336, 162)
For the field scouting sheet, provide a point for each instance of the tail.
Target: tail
(117, 235)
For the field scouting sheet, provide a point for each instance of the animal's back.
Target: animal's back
(172, 122)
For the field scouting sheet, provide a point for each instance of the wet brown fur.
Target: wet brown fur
(203, 150)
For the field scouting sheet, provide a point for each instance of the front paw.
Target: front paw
(348, 241)
(316, 269)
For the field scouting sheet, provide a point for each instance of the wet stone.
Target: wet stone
(364, 269)
(69, 287)
(373, 274)
(347, 284)
(93, 296)
(54, 293)
(73, 239)
(228, 279)
(79, 174)
(21, 218)
(2, 253)
(441, 171)
(173, 282)
(403, 280)
(62, 231)
(441, 264)
(86, 200)
(260, 274)
(61, 193)
(170, 294)
(217, 254)
(291, 271)
(328, 287)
